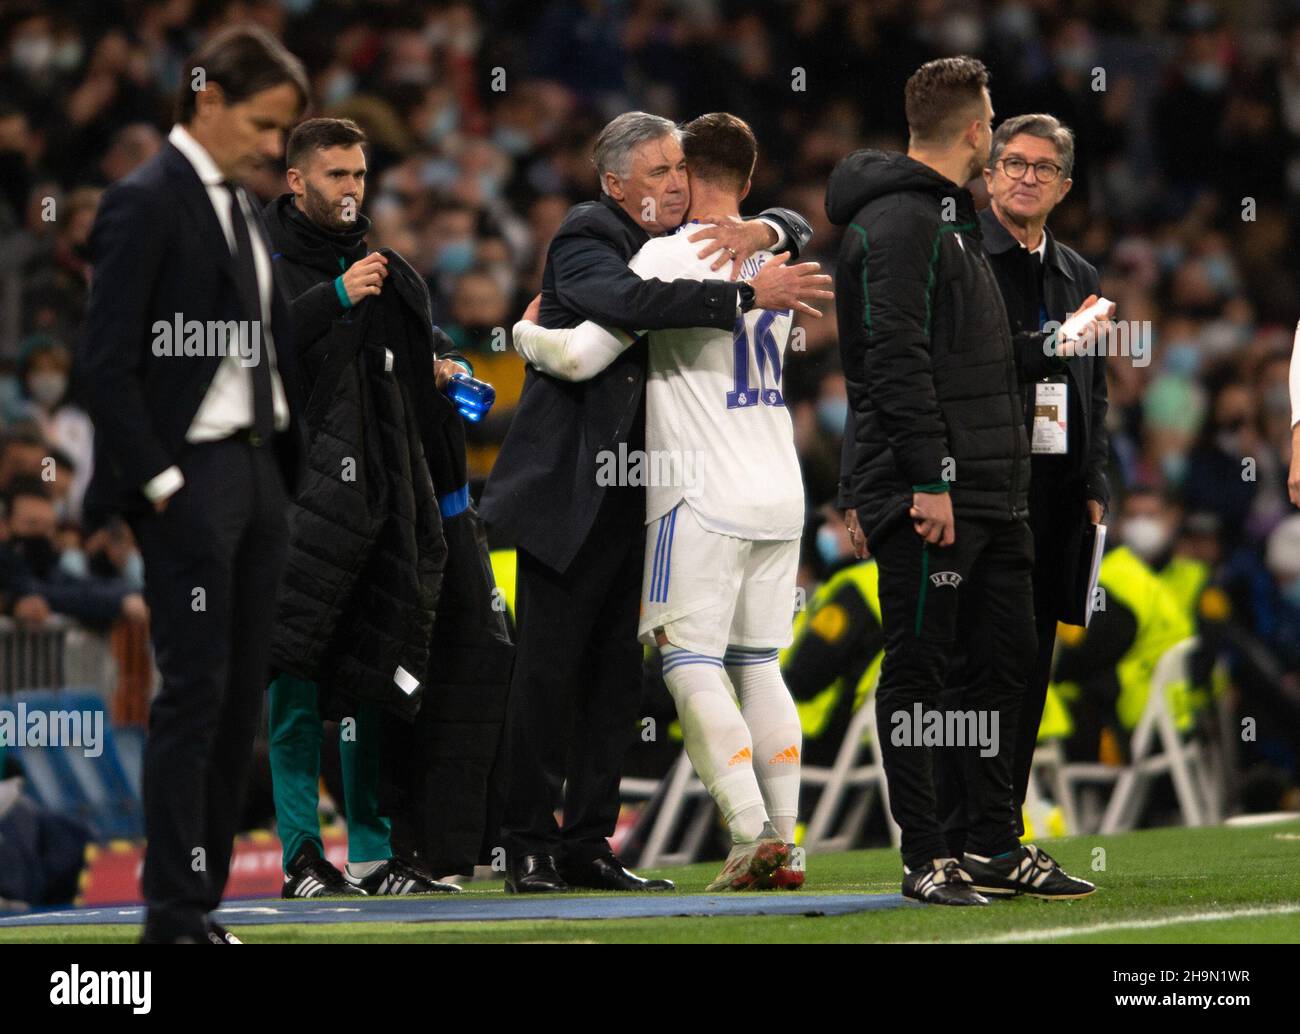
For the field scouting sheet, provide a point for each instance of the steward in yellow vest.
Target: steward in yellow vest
(1103, 673)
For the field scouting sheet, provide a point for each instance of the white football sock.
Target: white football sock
(717, 738)
(360, 870)
(773, 722)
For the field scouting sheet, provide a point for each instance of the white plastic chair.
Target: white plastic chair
(1156, 748)
(858, 770)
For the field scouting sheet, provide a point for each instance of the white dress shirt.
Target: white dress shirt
(228, 405)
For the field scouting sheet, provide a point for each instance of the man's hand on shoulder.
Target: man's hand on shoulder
(780, 286)
(732, 239)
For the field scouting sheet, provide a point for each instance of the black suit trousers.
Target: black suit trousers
(576, 688)
(213, 561)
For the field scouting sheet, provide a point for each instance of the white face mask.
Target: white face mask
(1146, 536)
(47, 388)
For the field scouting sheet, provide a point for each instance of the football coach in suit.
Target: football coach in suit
(187, 370)
(577, 679)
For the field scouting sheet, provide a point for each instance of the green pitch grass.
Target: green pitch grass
(1222, 885)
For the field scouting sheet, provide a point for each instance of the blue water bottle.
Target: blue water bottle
(473, 397)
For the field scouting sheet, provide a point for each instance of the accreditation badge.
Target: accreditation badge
(1051, 417)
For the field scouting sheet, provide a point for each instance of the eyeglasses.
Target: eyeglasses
(1015, 168)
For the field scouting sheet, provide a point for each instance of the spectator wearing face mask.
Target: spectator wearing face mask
(1233, 472)
(35, 582)
(1182, 551)
(1102, 674)
(65, 428)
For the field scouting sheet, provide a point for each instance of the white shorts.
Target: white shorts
(708, 591)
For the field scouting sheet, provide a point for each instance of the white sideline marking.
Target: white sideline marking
(1052, 933)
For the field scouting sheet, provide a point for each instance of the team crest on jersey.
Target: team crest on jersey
(940, 578)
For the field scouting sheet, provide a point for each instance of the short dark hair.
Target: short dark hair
(938, 95)
(244, 60)
(720, 148)
(319, 134)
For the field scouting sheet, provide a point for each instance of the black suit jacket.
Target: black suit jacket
(542, 494)
(1068, 279)
(158, 249)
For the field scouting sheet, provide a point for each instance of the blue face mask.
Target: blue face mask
(828, 545)
(1219, 271)
(489, 184)
(456, 257)
(1174, 467)
(341, 87)
(831, 414)
(73, 562)
(446, 121)
(512, 141)
(133, 570)
(1206, 76)
(1182, 360)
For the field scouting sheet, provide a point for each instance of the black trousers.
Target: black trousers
(1053, 514)
(576, 689)
(212, 561)
(976, 592)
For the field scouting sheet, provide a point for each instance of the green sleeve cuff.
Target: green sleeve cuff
(934, 487)
(341, 291)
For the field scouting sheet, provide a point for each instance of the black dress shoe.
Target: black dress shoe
(608, 873)
(535, 874)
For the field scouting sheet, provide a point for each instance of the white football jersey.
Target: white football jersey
(718, 434)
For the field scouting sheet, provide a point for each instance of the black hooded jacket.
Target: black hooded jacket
(926, 347)
(361, 583)
(436, 768)
(308, 259)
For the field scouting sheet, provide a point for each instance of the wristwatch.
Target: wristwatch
(747, 295)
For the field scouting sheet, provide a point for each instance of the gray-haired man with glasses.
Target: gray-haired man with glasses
(1043, 281)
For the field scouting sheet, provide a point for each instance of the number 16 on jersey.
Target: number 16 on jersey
(766, 353)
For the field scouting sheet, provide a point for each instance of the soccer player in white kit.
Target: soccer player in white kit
(725, 512)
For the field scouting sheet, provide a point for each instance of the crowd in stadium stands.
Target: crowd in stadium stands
(481, 116)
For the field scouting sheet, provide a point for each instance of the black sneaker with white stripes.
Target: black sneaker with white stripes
(1029, 870)
(942, 882)
(311, 876)
(398, 877)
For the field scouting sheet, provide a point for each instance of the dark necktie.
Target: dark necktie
(246, 279)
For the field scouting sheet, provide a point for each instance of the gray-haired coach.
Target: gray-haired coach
(1043, 281)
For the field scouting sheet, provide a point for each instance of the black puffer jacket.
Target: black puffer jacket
(361, 585)
(926, 347)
